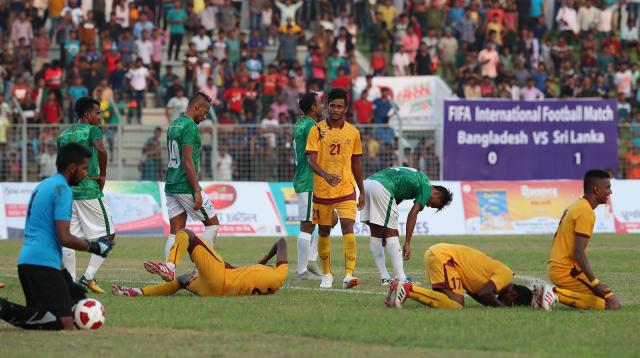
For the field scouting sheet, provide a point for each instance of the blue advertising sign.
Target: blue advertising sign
(523, 140)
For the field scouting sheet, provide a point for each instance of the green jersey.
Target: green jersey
(182, 131)
(85, 134)
(405, 183)
(303, 177)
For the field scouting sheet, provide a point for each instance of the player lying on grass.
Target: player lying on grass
(385, 190)
(214, 276)
(456, 269)
(568, 265)
(48, 288)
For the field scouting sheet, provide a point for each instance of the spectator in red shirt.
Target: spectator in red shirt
(378, 61)
(269, 86)
(363, 108)
(51, 110)
(343, 80)
(234, 97)
(111, 59)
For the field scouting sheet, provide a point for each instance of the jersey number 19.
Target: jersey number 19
(174, 154)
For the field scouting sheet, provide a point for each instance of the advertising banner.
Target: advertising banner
(243, 208)
(16, 199)
(525, 207)
(3, 216)
(136, 207)
(526, 140)
(626, 205)
(287, 204)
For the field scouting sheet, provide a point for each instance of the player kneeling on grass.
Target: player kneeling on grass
(568, 265)
(50, 291)
(384, 191)
(214, 276)
(456, 269)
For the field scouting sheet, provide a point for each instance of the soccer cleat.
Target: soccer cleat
(549, 298)
(307, 276)
(390, 300)
(350, 282)
(312, 267)
(160, 269)
(327, 281)
(90, 284)
(385, 281)
(411, 281)
(402, 293)
(118, 290)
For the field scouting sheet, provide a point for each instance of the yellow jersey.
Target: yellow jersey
(474, 267)
(254, 280)
(335, 148)
(578, 218)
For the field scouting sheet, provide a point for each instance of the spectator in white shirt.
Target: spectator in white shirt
(629, 33)
(530, 92)
(47, 161)
(224, 165)
(144, 49)
(567, 19)
(208, 17)
(400, 62)
(489, 59)
(287, 10)
(623, 80)
(201, 40)
(605, 24)
(176, 105)
(21, 28)
(138, 82)
(588, 16)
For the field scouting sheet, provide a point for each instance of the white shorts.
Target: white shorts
(91, 219)
(379, 207)
(179, 203)
(305, 206)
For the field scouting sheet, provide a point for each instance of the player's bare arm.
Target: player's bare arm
(581, 257)
(356, 169)
(279, 249)
(190, 171)
(102, 163)
(332, 179)
(412, 218)
(487, 296)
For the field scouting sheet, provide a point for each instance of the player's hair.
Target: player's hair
(524, 295)
(337, 93)
(84, 105)
(307, 101)
(199, 98)
(72, 153)
(446, 196)
(591, 178)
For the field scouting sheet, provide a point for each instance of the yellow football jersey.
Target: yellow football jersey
(578, 218)
(335, 148)
(254, 280)
(474, 267)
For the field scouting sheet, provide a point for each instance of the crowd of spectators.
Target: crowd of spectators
(157, 53)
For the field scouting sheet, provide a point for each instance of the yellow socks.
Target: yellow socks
(580, 300)
(432, 298)
(324, 251)
(179, 247)
(162, 289)
(350, 252)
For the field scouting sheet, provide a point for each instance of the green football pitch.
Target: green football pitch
(302, 321)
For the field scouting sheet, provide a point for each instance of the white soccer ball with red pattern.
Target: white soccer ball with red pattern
(88, 314)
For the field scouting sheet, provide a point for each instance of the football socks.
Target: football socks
(350, 252)
(94, 264)
(579, 300)
(69, 261)
(167, 247)
(313, 247)
(324, 251)
(210, 234)
(394, 250)
(432, 298)
(377, 251)
(304, 246)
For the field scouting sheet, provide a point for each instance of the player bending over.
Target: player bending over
(49, 290)
(91, 217)
(456, 269)
(385, 190)
(334, 150)
(568, 265)
(214, 276)
(182, 190)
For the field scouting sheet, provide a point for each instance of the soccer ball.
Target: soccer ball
(88, 314)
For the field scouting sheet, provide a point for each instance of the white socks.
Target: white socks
(167, 248)
(304, 247)
(210, 234)
(377, 251)
(94, 264)
(394, 250)
(313, 246)
(69, 261)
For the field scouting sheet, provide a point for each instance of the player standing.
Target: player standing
(385, 190)
(311, 106)
(334, 150)
(91, 218)
(182, 190)
(48, 288)
(568, 265)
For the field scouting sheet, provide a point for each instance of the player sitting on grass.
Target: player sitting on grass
(48, 288)
(384, 191)
(568, 265)
(214, 276)
(454, 269)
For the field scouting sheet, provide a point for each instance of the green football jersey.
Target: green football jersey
(303, 177)
(405, 183)
(85, 134)
(182, 131)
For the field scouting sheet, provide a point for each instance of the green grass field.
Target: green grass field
(301, 321)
